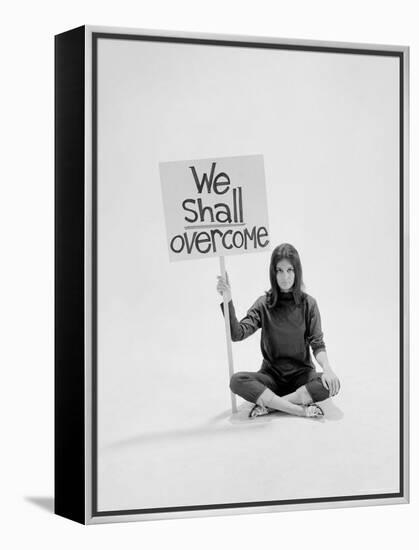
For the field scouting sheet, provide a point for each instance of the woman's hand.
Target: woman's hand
(223, 286)
(331, 382)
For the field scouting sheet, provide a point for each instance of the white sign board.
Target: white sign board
(215, 207)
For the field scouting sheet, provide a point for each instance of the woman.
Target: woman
(290, 325)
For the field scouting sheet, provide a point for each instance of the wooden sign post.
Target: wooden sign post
(228, 336)
(215, 207)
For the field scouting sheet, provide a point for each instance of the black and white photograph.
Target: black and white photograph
(262, 180)
(210, 256)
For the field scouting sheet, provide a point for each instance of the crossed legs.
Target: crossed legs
(300, 396)
(261, 388)
(269, 400)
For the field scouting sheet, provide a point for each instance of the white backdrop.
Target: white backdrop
(27, 274)
(327, 126)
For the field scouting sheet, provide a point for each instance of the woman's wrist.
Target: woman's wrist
(323, 361)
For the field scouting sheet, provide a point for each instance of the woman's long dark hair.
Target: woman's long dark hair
(288, 252)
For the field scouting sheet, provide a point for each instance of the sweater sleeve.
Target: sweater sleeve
(314, 329)
(247, 326)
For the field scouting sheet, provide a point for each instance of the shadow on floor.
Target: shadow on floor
(225, 423)
(331, 411)
(46, 503)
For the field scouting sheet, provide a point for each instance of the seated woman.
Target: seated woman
(289, 320)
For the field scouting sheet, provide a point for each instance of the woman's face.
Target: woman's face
(285, 275)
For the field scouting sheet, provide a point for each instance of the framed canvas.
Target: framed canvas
(231, 274)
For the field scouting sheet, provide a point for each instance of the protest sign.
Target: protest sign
(215, 207)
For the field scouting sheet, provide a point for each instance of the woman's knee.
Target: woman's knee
(235, 382)
(317, 390)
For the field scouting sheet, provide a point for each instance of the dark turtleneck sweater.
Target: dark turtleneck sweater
(288, 330)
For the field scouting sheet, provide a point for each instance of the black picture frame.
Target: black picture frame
(76, 407)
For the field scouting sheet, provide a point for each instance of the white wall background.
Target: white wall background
(327, 126)
(27, 274)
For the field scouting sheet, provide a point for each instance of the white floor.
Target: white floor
(214, 457)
